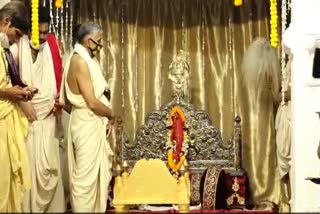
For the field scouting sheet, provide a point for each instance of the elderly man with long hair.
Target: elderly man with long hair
(261, 76)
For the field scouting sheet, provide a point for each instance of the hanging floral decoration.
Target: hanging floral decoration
(274, 38)
(35, 23)
(285, 8)
(59, 3)
(237, 3)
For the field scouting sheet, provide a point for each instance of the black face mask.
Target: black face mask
(96, 50)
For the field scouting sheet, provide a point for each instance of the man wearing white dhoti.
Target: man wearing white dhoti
(88, 149)
(37, 68)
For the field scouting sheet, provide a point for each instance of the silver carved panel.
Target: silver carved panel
(206, 147)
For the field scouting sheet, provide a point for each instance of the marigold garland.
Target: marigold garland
(172, 165)
(59, 3)
(237, 3)
(180, 112)
(175, 166)
(35, 23)
(273, 23)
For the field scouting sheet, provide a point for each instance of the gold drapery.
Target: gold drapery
(141, 38)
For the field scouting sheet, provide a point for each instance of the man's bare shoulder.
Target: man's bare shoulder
(76, 59)
(78, 64)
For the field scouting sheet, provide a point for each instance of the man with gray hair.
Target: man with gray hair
(83, 89)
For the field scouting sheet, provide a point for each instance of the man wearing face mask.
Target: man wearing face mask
(89, 152)
(15, 176)
(38, 67)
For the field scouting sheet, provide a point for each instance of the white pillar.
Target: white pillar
(301, 38)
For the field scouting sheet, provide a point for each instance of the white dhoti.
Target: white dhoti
(283, 138)
(283, 128)
(64, 155)
(88, 149)
(46, 194)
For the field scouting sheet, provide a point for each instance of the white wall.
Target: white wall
(301, 38)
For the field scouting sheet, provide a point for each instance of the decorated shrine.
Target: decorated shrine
(215, 101)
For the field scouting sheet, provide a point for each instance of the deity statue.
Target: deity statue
(178, 140)
(177, 135)
(179, 74)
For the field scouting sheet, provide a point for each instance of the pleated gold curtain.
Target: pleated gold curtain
(141, 38)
